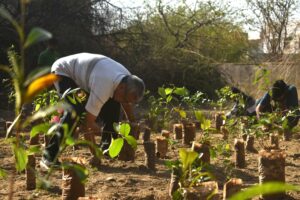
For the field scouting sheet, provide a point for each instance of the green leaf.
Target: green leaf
(187, 157)
(205, 125)
(116, 127)
(182, 113)
(70, 141)
(37, 35)
(169, 98)
(40, 128)
(21, 157)
(3, 173)
(115, 147)
(125, 129)
(6, 15)
(162, 92)
(266, 188)
(199, 116)
(33, 149)
(181, 91)
(168, 91)
(131, 141)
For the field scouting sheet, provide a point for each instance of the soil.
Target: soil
(132, 180)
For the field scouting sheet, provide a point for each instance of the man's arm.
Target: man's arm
(128, 110)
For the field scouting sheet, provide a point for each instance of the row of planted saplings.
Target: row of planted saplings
(271, 160)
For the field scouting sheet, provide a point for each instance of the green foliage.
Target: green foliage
(266, 188)
(123, 129)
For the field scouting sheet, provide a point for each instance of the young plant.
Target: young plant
(123, 129)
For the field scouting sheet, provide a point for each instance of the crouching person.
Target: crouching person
(108, 85)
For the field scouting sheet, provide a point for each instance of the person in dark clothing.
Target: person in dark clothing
(285, 98)
(244, 105)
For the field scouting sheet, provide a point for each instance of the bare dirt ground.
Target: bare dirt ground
(132, 180)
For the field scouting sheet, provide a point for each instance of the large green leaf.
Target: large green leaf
(266, 188)
(37, 35)
(21, 157)
(115, 147)
(205, 125)
(6, 15)
(199, 116)
(39, 128)
(124, 129)
(131, 141)
(181, 91)
(168, 91)
(162, 92)
(187, 157)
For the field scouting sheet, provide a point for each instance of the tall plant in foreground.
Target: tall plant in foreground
(25, 87)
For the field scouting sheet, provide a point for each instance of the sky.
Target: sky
(236, 4)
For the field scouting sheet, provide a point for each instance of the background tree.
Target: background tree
(273, 16)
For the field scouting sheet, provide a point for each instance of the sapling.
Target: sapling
(271, 167)
(161, 146)
(150, 157)
(239, 153)
(178, 131)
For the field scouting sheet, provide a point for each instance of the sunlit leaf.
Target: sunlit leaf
(205, 125)
(116, 127)
(115, 147)
(70, 141)
(125, 129)
(33, 149)
(187, 157)
(131, 141)
(182, 113)
(37, 35)
(199, 116)
(21, 157)
(168, 91)
(38, 85)
(39, 128)
(181, 91)
(266, 188)
(162, 92)
(169, 98)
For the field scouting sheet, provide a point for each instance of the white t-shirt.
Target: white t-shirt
(102, 81)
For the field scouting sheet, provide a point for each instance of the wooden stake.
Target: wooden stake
(147, 133)
(204, 149)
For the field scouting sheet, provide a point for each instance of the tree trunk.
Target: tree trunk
(147, 134)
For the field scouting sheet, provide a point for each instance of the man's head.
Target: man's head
(278, 90)
(130, 90)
